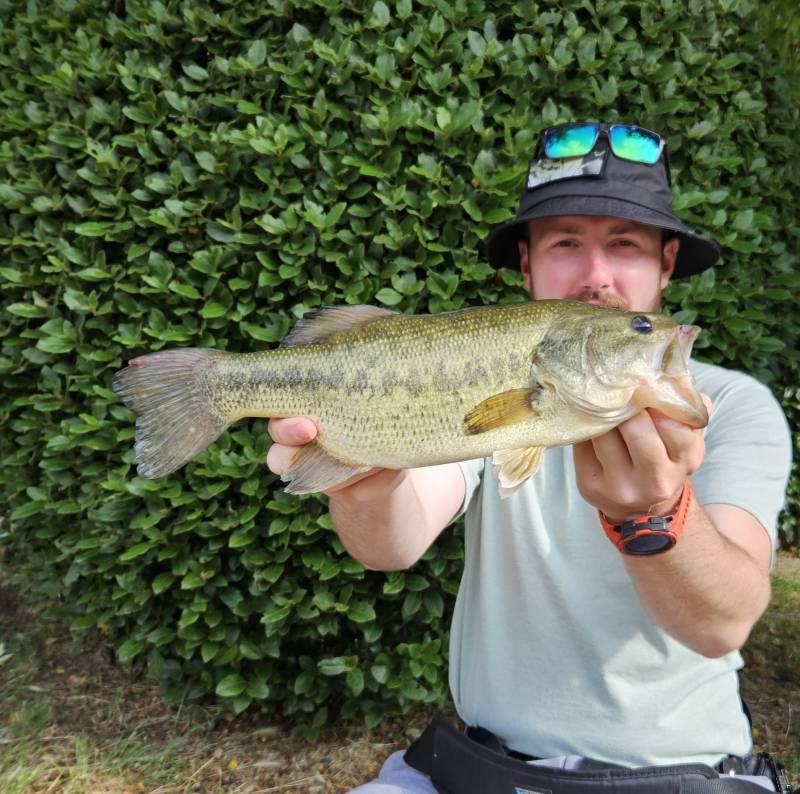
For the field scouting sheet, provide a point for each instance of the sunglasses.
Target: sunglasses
(569, 150)
(627, 141)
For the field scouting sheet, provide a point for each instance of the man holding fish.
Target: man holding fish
(604, 600)
(609, 583)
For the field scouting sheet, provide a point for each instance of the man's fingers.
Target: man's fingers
(293, 432)
(586, 463)
(684, 444)
(288, 434)
(650, 433)
(611, 451)
(279, 457)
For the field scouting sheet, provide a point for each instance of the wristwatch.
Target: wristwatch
(645, 535)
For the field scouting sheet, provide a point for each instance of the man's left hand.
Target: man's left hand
(639, 467)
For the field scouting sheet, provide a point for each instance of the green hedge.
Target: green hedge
(176, 173)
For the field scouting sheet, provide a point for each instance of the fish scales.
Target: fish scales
(403, 397)
(399, 391)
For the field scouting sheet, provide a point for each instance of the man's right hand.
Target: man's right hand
(290, 434)
(386, 518)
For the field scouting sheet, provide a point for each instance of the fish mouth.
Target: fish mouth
(674, 393)
(677, 351)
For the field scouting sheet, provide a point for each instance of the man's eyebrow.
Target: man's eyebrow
(625, 227)
(562, 228)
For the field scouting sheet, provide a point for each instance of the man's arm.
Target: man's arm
(717, 580)
(385, 518)
(709, 590)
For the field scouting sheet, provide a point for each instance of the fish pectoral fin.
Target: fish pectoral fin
(313, 470)
(499, 410)
(516, 465)
(322, 324)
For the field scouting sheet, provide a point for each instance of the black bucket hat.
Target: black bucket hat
(601, 183)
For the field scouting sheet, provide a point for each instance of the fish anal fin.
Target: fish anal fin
(320, 325)
(499, 410)
(516, 465)
(313, 470)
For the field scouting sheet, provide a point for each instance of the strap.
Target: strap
(458, 765)
(649, 534)
(723, 785)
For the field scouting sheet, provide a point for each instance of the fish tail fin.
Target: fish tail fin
(176, 418)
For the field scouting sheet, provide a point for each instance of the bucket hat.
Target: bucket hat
(600, 183)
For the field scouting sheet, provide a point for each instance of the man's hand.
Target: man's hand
(386, 518)
(639, 467)
(292, 433)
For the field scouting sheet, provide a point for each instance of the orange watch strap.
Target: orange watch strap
(647, 534)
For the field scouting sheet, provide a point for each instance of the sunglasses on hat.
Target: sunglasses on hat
(566, 142)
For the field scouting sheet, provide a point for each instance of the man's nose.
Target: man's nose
(597, 271)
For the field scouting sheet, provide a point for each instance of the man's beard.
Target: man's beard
(602, 297)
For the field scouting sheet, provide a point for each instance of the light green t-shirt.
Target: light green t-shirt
(550, 647)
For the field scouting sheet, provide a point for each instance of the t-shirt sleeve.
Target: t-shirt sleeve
(472, 471)
(748, 452)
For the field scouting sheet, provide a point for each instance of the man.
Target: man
(563, 643)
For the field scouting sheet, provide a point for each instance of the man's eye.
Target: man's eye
(625, 242)
(564, 244)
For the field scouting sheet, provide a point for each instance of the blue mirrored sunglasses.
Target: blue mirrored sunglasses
(627, 141)
(567, 151)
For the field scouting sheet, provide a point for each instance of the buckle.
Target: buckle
(653, 523)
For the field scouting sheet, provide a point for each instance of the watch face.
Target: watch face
(649, 541)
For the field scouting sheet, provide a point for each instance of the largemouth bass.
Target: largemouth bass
(400, 391)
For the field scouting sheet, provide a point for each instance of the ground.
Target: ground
(72, 722)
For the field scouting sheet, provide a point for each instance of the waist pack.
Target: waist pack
(457, 764)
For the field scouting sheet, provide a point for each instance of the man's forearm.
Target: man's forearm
(707, 591)
(388, 520)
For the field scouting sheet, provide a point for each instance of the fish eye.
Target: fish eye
(641, 325)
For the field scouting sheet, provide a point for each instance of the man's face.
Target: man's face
(597, 259)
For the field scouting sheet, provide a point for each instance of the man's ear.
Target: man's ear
(668, 258)
(525, 263)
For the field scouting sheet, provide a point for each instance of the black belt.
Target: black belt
(458, 764)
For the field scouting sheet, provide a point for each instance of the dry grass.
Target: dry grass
(771, 678)
(72, 722)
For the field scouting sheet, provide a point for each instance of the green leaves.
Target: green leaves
(129, 650)
(207, 161)
(257, 53)
(231, 685)
(381, 16)
(264, 168)
(388, 296)
(135, 551)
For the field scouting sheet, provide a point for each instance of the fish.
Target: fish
(397, 391)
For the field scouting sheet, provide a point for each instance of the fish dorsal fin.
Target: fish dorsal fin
(516, 465)
(499, 410)
(323, 323)
(313, 470)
